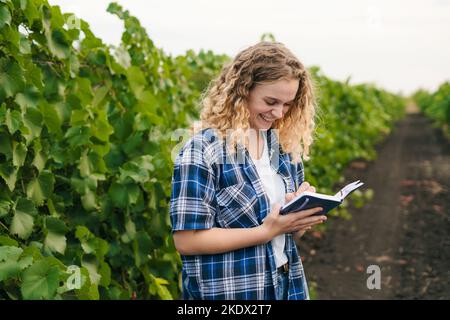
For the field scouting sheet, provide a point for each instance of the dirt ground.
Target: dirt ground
(405, 229)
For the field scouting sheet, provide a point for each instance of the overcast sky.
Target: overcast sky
(399, 45)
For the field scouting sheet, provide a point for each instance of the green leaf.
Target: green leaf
(91, 264)
(33, 74)
(134, 172)
(105, 273)
(2, 112)
(55, 242)
(133, 192)
(58, 43)
(19, 154)
(85, 165)
(89, 201)
(28, 98)
(78, 117)
(123, 195)
(4, 208)
(148, 103)
(77, 136)
(123, 60)
(41, 188)
(9, 174)
(159, 285)
(33, 122)
(13, 120)
(23, 4)
(88, 290)
(118, 195)
(52, 204)
(101, 149)
(7, 241)
(83, 90)
(55, 239)
(102, 248)
(57, 18)
(99, 271)
(90, 243)
(11, 78)
(101, 128)
(133, 143)
(82, 185)
(123, 125)
(23, 222)
(12, 261)
(99, 96)
(136, 79)
(130, 231)
(137, 170)
(5, 145)
(31, 13)
(5, 16)
(33, 250)
(97, 165)
(142, 246)
(25, 47)
(51, 117)
(39, 159)
(86, 238)
(40, 281)
(73, 59)
(8, 262)
(115, 8)
(13, 37)
(10, 253)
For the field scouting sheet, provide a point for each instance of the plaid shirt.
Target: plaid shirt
(211, 188)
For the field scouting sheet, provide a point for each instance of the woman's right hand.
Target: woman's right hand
(275, 224)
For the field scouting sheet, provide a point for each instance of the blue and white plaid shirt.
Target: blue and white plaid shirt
(210, 189)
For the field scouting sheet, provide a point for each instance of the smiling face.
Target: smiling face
(270, 101)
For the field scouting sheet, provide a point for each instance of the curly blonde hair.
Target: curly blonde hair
(225, 100)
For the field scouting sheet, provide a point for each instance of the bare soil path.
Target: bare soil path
(405, 229)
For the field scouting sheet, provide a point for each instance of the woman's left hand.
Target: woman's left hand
(305, 186)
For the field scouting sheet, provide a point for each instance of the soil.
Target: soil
(404, 229)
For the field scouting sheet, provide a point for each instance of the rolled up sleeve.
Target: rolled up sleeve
(192, 203)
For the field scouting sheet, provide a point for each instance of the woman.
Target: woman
(231, 178)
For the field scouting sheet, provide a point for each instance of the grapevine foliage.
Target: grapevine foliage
(86, 144)
(436, 105)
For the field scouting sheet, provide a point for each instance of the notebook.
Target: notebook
(308, 200)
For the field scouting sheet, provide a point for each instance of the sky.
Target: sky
(399, 45)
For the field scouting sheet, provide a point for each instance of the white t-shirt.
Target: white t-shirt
(274, 188)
